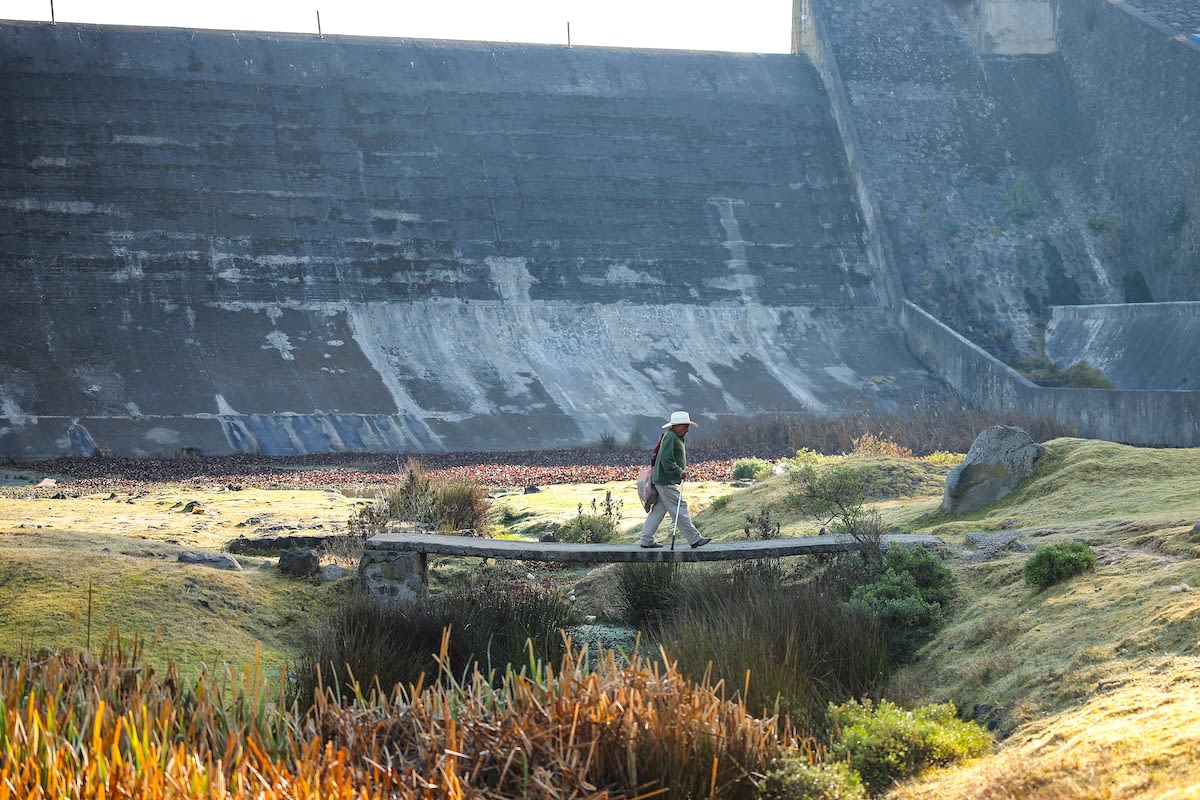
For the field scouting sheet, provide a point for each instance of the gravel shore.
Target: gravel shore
(338, 470)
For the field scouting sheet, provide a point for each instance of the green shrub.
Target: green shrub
(942, 458)
(1022, 199)
(720, 501)
(1056, 562)
(595, 528)
(934, 580)
(907, 598)
(1082, 375)
(806, 455)
(797, 778)
(751, 469)
(585, 529)
(830, 495)
(884, 743)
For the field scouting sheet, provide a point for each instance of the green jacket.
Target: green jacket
(671, 461)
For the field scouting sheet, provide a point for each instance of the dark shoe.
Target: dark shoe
(703, 540)
(650, 546)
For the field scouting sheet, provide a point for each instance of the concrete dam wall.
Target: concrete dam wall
(281, 244)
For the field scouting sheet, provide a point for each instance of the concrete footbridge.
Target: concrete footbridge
(394, 564)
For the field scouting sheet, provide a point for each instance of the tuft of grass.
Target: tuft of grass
(486, 627)
(645, 592)
(450, 506)
(818, 651)
(461, 506)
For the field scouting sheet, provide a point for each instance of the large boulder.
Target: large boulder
(1000, 459)
(299, 563)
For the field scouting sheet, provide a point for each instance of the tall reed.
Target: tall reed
(77, 726)
(940, 423)
(784, 648)
(490, 626)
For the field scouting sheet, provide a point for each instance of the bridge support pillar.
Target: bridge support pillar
(394, 574)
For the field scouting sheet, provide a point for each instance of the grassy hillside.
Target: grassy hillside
(123, 548)
(1096, 678)
(1092, 684)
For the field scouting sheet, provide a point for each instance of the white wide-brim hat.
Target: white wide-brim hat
(680, 418)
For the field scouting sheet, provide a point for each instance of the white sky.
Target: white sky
(756, 26)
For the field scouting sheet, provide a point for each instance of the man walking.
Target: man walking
(668, 475)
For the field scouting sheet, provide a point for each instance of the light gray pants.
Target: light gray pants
(669, 499)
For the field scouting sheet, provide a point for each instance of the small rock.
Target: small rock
(214, 560)
(192, 507)
(991, 544)
(532, 490)
(47, 483)
(333, 572)
(547, 537)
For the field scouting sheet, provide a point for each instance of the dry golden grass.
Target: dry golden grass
(126, 548)
(77, 726)
(1140, 738)
(1096, 679)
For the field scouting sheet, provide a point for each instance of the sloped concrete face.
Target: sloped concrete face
(1136, 345)
(279, 244)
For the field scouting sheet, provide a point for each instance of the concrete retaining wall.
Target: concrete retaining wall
(1135, 345)
(1154, 418)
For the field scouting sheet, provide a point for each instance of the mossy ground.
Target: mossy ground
(117, 553)
(1092, 683)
